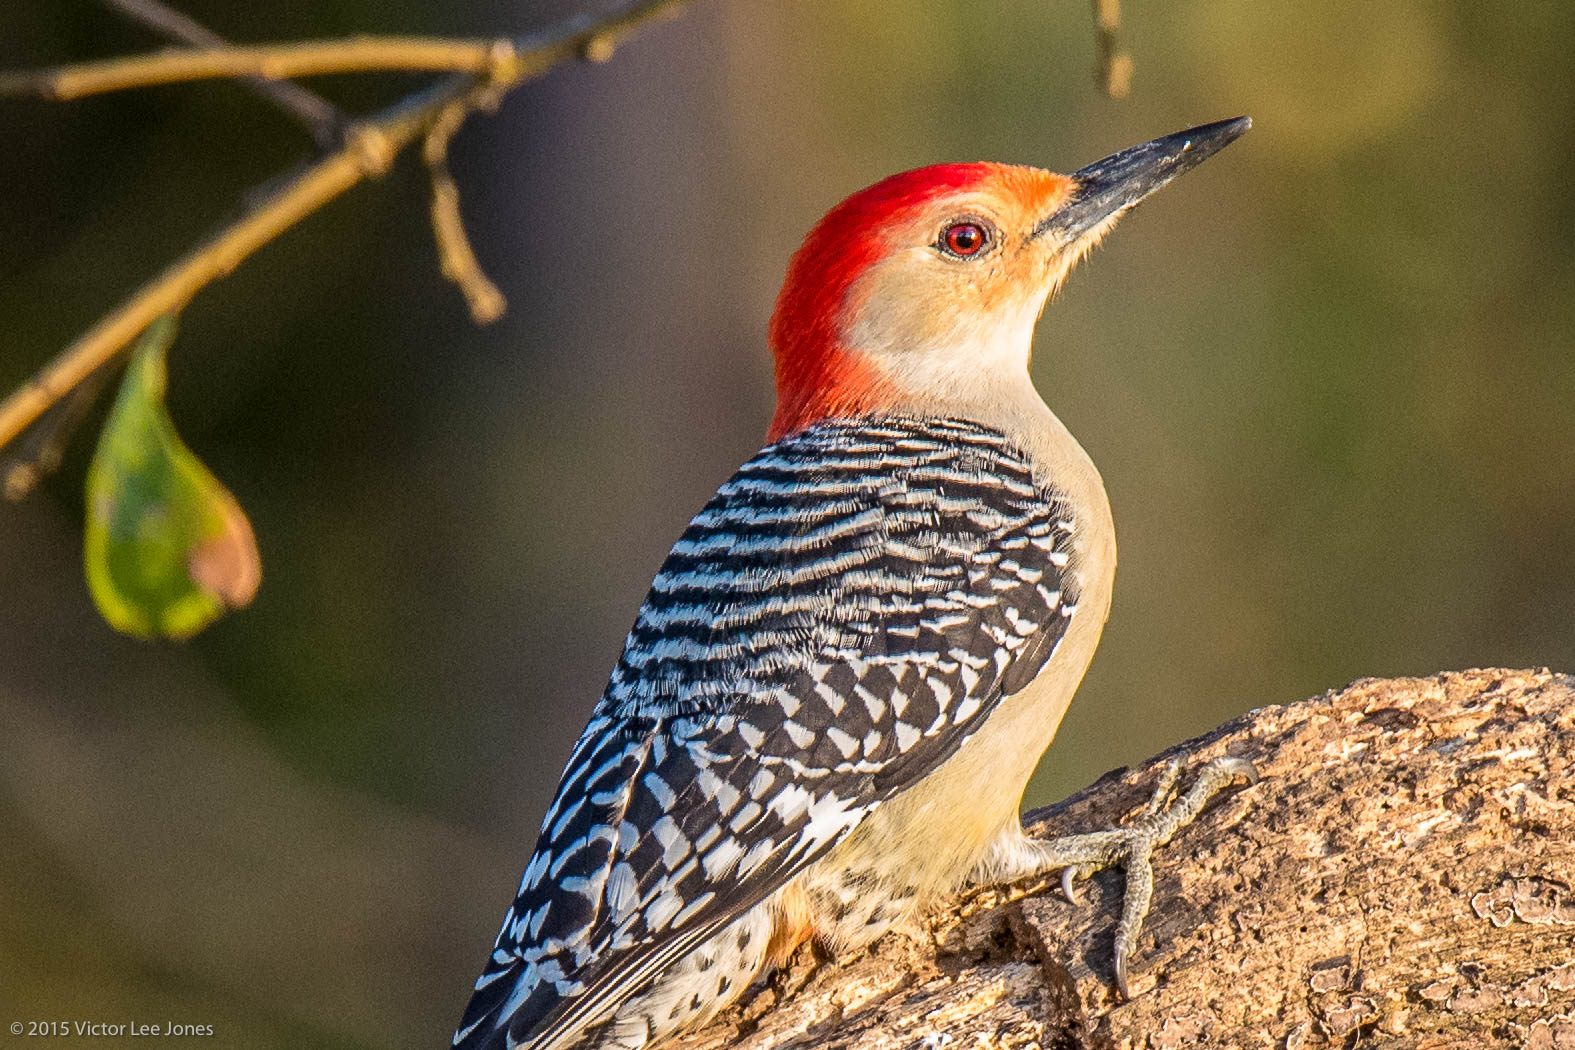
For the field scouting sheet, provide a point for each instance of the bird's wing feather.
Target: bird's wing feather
(844, 613)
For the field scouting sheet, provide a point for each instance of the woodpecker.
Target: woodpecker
(853, 658)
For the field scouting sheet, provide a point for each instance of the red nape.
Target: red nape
(818, 377)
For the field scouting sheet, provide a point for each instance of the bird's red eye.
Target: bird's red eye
(963, 238)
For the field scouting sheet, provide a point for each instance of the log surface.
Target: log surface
(1403, 876)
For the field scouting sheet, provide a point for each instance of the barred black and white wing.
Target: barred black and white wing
(835, 622)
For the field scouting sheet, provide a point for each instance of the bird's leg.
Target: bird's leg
(1015, 856)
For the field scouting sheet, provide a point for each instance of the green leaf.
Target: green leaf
(168, 549)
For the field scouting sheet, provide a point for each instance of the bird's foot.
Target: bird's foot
(1079, 856)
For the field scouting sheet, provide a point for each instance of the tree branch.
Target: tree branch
(456, 258)
(1113, 72)
(370, 146)
(357, 54)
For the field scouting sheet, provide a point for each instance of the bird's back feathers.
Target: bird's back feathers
(844, 612)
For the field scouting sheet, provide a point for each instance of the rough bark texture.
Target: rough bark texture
(1403, 876)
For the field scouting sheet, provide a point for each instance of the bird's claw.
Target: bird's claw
(1079, 856)
(1068, 874)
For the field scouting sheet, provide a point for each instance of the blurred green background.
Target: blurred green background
(1329, 379)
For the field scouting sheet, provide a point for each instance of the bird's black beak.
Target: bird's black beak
(1108, 187)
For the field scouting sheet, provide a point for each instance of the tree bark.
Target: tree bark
(1403, 876)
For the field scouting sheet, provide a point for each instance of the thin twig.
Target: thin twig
(357, 54)
(39, 451)
(456, 257)
(1113, 73)
(320, 117)
(369, 148)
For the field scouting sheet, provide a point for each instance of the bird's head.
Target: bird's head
(928, 283)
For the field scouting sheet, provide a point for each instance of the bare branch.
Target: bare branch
(455, 256)
(369, 148)
(318, 115)
(27, 462)
(358, 54)
(1114, 71)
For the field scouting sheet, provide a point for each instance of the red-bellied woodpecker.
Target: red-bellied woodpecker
(852, 660)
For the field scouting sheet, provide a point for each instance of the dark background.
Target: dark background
(1328, 378)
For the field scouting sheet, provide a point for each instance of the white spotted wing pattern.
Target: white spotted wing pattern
(845, 611)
